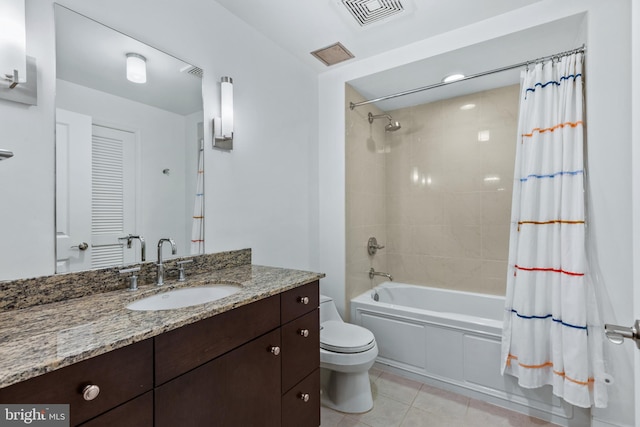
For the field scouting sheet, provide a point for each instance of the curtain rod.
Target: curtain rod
(472, 76)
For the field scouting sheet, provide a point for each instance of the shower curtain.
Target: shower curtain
(552, 332)
(197, 225)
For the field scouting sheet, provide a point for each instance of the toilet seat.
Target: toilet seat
(343, 337)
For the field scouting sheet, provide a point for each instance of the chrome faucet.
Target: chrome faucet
(373, 272)
(160, 274)
(143, 246)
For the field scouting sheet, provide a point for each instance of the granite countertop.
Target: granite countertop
(46, 337)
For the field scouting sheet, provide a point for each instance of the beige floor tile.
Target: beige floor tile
(397, 388)
(441, 402)
(385, 413)
(329, 417)
(419, 418)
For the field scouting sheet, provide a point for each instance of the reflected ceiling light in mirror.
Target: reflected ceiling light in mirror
(13, 52)
(484, 135)
(223, 126)
(136, 68)
(452, 78)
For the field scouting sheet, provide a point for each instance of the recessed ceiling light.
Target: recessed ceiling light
(333, 54)
(452, 78)
(468, 106)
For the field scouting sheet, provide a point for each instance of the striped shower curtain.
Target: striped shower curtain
(197, 224)
(552, 331)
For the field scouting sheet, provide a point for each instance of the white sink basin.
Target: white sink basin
(186, 297)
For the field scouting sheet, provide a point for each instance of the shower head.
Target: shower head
(392, 126)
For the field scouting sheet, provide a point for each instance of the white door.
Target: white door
(113, 196)
(73, 191)
(95, 193)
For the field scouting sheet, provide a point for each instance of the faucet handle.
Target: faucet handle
(133, 279)
(180, 264)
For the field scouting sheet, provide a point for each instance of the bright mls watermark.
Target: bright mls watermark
(34, 415)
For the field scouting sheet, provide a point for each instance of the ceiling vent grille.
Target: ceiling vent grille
(367, 12)
(193, 70)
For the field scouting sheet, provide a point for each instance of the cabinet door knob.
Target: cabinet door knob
(304, 397)
(275, 350)
(303, 300)
(304, 333)
(90, 392)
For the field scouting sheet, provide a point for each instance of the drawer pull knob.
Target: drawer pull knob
(90, 392)
(304, 397)
(304, 333)
(303, 300)
(275, 350)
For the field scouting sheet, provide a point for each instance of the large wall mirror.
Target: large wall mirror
(128, 154)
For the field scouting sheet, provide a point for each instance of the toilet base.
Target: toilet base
(348, 392)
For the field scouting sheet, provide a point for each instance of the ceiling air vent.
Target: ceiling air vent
(333, 54)
(193, 70)
(369, 11)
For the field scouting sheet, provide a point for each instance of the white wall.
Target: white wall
(261, 195)
(608, 96)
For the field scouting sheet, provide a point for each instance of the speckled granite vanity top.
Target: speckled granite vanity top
(42, 338)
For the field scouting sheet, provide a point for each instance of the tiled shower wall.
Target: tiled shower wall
(365, 183)
(448, 182)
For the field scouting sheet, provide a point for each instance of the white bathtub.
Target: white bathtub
(451, 339)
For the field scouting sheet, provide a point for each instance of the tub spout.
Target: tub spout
(373, 272)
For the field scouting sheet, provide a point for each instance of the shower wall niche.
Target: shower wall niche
(440, 188)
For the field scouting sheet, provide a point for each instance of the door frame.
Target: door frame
(635, 184)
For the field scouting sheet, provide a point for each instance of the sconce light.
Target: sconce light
(136, 68)
(223, 126)
(13, 44)
(16, 69)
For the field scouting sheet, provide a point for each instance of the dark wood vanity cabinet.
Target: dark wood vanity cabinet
(255, 365)
(120, 376)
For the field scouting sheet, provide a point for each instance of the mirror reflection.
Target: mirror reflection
(129, 134)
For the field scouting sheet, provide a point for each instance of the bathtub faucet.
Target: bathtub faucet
(373, 272)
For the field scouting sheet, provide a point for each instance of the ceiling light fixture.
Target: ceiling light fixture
(453, 78)
(136, 68)
(468, 107)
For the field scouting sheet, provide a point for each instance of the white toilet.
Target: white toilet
(346, 353)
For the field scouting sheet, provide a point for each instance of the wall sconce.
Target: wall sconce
(18, 71)
(223, 125)
(136, 68)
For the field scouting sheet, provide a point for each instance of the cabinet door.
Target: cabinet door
(135, 413)
(240, 388)
(300, 348)
(301, 404)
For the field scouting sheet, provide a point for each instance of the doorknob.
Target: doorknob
(82, 246)
(616, 334)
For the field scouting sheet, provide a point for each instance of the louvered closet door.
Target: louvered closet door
(112, 195)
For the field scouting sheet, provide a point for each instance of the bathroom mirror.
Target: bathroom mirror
(127, 153)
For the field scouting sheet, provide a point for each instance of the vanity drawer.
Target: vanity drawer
(297, 410)
(121, 375)
(300, 353)
(298, 301)
(135, 413)
(185, 348)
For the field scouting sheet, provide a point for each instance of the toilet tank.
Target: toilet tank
(328, 310)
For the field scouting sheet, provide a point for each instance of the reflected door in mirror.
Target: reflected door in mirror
(96, 193)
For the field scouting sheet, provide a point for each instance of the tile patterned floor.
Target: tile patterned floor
(401, 402)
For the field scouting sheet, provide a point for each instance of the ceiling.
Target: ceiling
(301, 27)
(97, 60)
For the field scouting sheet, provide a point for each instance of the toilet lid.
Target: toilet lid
(341, 337)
